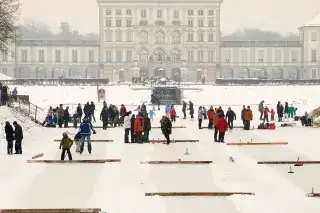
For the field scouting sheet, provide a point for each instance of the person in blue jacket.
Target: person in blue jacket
(14, 91)
(85, 132)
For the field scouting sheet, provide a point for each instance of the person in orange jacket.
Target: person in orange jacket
(210, 114)
(138, 128)
(248, 118)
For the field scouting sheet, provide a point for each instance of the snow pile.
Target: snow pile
(5, 77)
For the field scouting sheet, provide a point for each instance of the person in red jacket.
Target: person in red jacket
(272, 115)
(222, 125)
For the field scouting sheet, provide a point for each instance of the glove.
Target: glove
(94, 132)
(59, 147)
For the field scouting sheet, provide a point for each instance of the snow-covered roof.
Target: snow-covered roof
(314, 22)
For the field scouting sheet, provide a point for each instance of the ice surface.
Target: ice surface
(120, 187)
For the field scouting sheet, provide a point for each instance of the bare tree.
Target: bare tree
(9, 11)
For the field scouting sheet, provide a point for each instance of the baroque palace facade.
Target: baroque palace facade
(176, 39)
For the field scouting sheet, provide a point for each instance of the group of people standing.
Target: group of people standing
(15, 134)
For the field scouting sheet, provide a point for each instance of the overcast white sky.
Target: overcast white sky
(277, 15)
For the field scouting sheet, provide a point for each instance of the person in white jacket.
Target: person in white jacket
(127, 126)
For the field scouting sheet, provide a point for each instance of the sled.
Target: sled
(93, 141)
(74, 161)
(38, 156)
(256, 143)
(174, 141)
(288, 162)
(89, 210)
(205, 194)
(176, 162)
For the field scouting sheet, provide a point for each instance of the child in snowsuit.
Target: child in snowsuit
(152, 114)
(265, 114)
(272, 115)
(173, 115)
(66, 144)
(291, 112)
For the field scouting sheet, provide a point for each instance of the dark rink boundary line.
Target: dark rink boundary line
(198, 194)
(75, 161)
(88, 210)
(256, 143)
(94, 141)
(175, 162)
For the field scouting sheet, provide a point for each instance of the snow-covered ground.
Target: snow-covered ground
(120, 187)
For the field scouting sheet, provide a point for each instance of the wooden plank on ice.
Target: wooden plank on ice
(206, 194)
(38, 156)
(288, 162)
(176, 162)
(256, 143)
(93, 141)
(88, 210)
(74, 161)
(174, 141)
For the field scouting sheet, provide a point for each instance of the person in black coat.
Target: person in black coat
(92, 109)
(9, 137)
(243, 113)
(79, 111)
(66, 117)
(191, 109)
(231, 116)
(286, 111)
(86, 111)
(104, 117)
(18, 135)
(279, 111)
(133, 135)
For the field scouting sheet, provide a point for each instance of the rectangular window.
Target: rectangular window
(200, 12)
(211, 12)
(143, 13)
(24, 55)
(260, 56)
(211, 23)
(294, 55)
(74, 56)
(227, 55)
(129, 36)
(119, 56)
(5, 71)
(313, 55)
(118, 36)
(129, 22)
(200, 23)
(129, 56)
(108, 22)
(159, 13)
(118, 12)
(244, 56)
(190, 37)
(201, 35)
(118, 23)
(210, 37)
(314, 36)
(108, 56)
(176, 14)
(129, 12)
(200, 56)
(4, 55)
(314, 73)
(108, 12)
(190, 55)
(277, 56)
(190, 12)
(91, 56)
(108, 36)
(58, 56)
(190, 23)
(41, 56)
(211, 56)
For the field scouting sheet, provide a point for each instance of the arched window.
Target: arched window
(108, 36)
(118, 36)
(143, 37)
(175, 55)
(176, 38)
(129, 36)
(143, 55)
(160, 37)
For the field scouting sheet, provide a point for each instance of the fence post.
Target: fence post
(35, 114)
